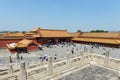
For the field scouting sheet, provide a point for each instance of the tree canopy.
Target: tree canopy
(98, 31)
(12, 31)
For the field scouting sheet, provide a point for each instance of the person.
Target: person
(17, 55)
(21, 57)
(40, 57)
(72, 51)
(103, 53)
(55, 57)
(77, 49)
(10, 59)
(40, 47)
(46, 59)
(55, 54)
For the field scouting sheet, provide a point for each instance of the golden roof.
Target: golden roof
(98, 40)
(53, 33)
(11, 46)
(101, 35)
(13, 34)
(76, 34)
(37, 32)
(35, 29)
(35, 35)
(17, 36)
(29, 33)
(22, 43)
(50, 33)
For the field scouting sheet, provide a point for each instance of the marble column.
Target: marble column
(27, 65)
(106, 59)
(23, 72)
(68, 61)
(10, 71)
(91, 52)
(50, 65)
(82, 58)
(81, 53)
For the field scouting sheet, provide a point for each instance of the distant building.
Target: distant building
(23, 46)
(13, 38)
(41, 36)
(75, 34)
(51, 36)
(109, 39)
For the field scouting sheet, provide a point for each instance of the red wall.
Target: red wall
(29, 48)
(32, 48)
(12, 50)
(3, 42)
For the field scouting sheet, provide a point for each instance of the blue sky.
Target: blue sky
(72, 15)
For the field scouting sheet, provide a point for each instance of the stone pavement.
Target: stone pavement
(92, 73)
(77, 68)
(60, 50)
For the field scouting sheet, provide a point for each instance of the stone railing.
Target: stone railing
(55, 68)
(9, 77)
(112, 63)
(58, 67)
(12, 75)
(40, 71)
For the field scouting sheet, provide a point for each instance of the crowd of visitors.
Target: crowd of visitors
(58, 51)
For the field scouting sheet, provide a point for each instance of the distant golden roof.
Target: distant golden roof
(76, 34)
(53, 33)
(37, 32)
(12, 45)
(14, 34)
(29, 33)
(35, 35)
(50, 33)
(35, 29)
(22, 43)
(98, 40)
(9, 33)
(20, 33)
(17, 36)
(101, 35)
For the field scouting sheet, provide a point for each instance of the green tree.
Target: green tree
(98, 31)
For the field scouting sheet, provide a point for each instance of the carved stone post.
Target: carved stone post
(81, 53)
(82, 57)
(119, 73)
(50, 65)
(27, 65)
(68, 61)
(10, 71)
(91, 52)
(7, 64)
(106, 60)
(17, 63)
(23, 72)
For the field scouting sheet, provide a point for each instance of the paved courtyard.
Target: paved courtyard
(57, 50)
(61, 51)
(92, 73)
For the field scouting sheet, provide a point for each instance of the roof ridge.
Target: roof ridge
(54, 29)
